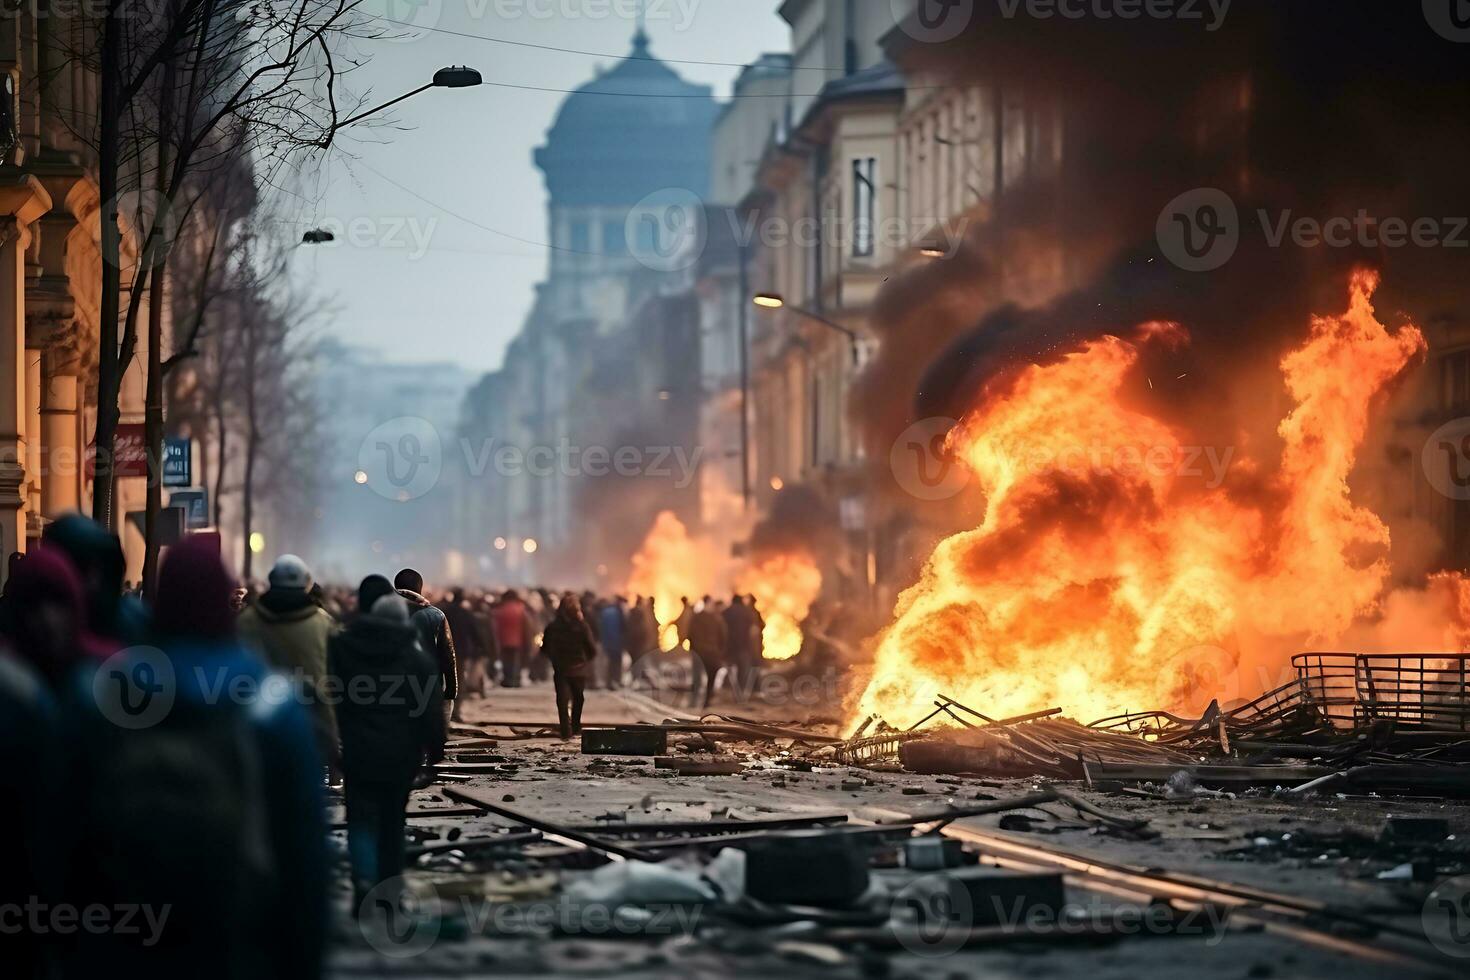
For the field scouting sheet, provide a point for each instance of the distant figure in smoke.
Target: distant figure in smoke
(684, 620)
(541, 616)
(469, 646)
(434, 632)
(612, 621)
(570, 649)
(709, 640)
(391, 725)
(514, 630)
(740, 621)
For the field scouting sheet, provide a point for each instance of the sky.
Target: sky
(433, 205)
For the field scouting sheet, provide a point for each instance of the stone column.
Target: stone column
(13, 450)
(61, 490)
(34, 471)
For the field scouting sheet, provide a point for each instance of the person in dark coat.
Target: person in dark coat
(569, 648)
(434, 632)
(740, 649)
(213, 809)
(391, 721)
(708, 640)
(97, 555)
(28, 780)
(469, 645)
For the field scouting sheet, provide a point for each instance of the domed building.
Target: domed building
(626, 162)
(636, 131)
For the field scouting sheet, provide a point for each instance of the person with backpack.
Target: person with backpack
(289, 630)
(391, 721)
(568, 646)
(198, 799)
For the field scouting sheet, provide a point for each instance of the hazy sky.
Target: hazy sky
(415, 270)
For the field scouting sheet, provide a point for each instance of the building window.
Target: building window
(581, 236)
(614, 238)
(864, 205)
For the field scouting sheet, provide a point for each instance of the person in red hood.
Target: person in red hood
(47, 626)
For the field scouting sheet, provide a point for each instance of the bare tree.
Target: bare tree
(185, 85)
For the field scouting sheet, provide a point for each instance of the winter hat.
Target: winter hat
(291, 574)
(373, 588)
(393, 608)
(194, 592)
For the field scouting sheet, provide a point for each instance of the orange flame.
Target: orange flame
(670, 565)
(1107, 556)
(784, 586)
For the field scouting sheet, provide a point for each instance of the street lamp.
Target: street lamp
(455, 76)
(774, 301)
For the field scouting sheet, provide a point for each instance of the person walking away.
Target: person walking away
(469, 651)
(289, 630)
(543, 611)
(684, 621)
(28, 781)
(740, 627)
(211, 814)
(97, 556)
(434, 633)
(613, 620)
(483, 609)
(708, 640)
(389, 729)
(514, 630)
(570, 649)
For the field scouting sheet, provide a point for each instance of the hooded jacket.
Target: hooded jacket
(390, 716)
(290, 632)
(437, 638)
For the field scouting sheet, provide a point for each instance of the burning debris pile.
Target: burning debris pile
(1108, 556)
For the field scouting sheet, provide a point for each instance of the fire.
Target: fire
(670, 566)
(784, 586)
(1111, 551)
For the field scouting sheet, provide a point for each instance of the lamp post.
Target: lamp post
(774, 301)
(455, 76)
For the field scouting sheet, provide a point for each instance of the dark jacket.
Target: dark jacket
(391, 691)
(740, 624)
(28, 782)
(568, 644)
(438, 639)
(465, 627)
(708, 636)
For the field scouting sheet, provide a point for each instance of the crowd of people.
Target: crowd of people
(173, 758)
